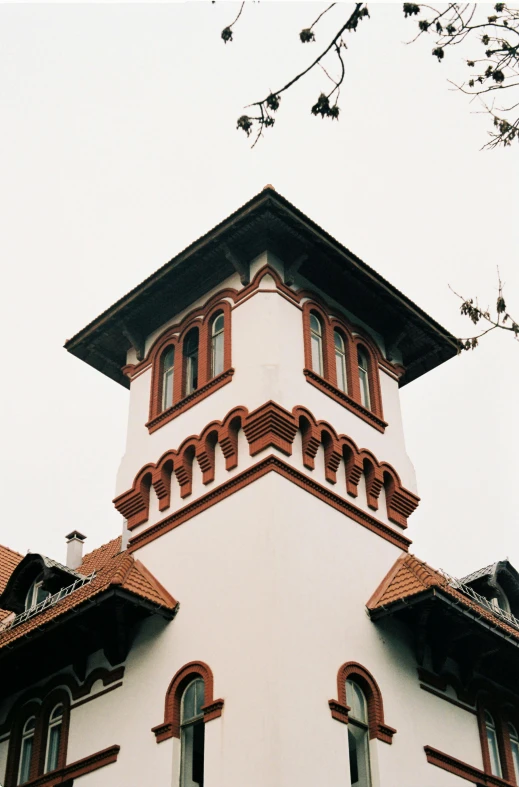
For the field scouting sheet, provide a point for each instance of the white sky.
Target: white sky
(118, 148)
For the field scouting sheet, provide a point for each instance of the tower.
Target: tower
(265, 481)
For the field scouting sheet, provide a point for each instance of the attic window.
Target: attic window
(36, 593)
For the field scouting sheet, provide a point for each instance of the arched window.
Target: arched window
(36, 593)
(191, 362)
(358, 735)
(316, 341)
(192, 729)
(493, 746)
(26, 750)
(514, 746)
(53, 738)
(168, 368)
(364, 378)
(340, 361)
(217, 345)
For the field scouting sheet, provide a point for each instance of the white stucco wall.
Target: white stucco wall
(272, 585)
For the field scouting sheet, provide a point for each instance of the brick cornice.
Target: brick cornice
(240, 480)
(463, 769)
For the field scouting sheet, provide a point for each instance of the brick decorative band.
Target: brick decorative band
(463, 770)
(76, 769)
(251, 474)
(268, 425)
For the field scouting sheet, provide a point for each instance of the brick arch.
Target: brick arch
(134, 504)
(212, 709)
(339, 708)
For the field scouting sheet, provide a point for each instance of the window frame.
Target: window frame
(164, 373)
(175, 337)
(327, 380)
(361, 724)
(192, 722)
(213, 337)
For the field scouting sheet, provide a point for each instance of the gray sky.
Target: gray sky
(118, 148)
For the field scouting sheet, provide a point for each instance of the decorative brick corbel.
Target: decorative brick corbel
(354, 469)
(134, 504)
(270, 425)
(332, 459)
(374, 483)
(400, 504)
(339, 712)
(183, 469)
(205, 458)
(311, 441)
(161, 482)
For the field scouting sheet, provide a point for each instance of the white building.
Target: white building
(261, 621)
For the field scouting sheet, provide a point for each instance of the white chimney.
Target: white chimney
(74, 549)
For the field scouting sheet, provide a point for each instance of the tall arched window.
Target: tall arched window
(168, 368)
(53, 738)
(364, 378)
(316, 340)
(217, 345)
(514, 746)
(191, 362)
(26, 750)
(192, 735)
(493, 746)
(340, 361)
(358, 735)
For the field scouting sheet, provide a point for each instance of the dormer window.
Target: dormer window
(36, 594)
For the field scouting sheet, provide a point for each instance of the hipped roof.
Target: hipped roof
(267, 222)
(113, 569)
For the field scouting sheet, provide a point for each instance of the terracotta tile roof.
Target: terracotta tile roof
(96, 559)
(410, 576)
(113, 568)
(9, 559)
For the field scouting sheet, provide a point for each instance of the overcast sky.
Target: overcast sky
(118, 148)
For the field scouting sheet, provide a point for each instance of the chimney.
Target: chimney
(74, 549)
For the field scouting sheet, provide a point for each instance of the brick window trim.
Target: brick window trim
(184, 404)
(174, 337)
(41, 710)
(227, 300)
(342, 398)
(212, 709)
(66, 774)
(268, 425)
(463, 769)
(339, 708)
(501, 714)
(354, 339)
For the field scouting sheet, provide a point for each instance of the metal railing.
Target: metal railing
(50, 601)
(496, 610)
